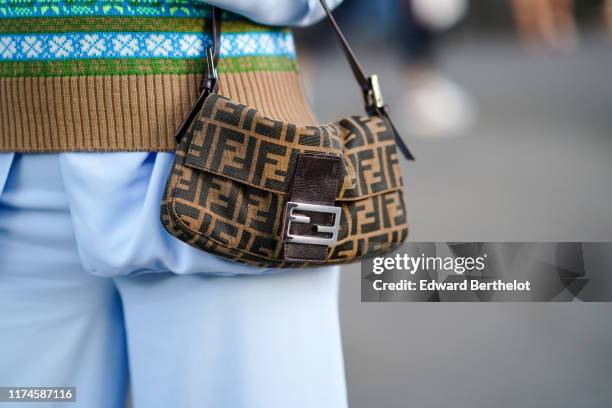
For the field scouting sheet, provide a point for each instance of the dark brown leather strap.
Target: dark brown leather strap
(371, 105)
(315, 181)
(373, 102)
(209, 80)
(358, 73)
(216, 34)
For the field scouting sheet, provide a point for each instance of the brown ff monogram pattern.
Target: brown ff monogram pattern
(231, 179)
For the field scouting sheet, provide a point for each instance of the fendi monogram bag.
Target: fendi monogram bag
(275, 194)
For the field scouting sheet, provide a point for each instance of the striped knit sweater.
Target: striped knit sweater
(117, 75)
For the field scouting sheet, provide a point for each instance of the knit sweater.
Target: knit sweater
(117, 75)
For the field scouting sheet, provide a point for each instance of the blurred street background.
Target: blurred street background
(507, 106)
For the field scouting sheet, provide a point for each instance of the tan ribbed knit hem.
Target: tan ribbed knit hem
(128, 113)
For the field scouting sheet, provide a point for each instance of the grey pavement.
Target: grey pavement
(537, 166)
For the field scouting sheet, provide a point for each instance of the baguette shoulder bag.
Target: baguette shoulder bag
(274, 194)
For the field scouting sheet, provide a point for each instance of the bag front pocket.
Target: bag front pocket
(231, 182)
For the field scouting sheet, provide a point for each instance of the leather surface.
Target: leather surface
(315, 182)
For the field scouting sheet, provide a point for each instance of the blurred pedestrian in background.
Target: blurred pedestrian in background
(549, 22)
(608, 15)
(552, 23)
(433, 105)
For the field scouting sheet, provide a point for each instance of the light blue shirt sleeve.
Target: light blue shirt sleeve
(277, 12)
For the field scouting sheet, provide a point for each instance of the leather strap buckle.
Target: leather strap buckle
(377, 98)
(326, 229)
(312, 221)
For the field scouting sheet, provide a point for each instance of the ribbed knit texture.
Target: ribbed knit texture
(94, 79)
(129, 112)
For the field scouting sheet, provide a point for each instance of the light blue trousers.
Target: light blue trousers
(192, 340)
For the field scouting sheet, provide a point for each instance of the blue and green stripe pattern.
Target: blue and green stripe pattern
(36, 47)
(108, 37)
(80, 8)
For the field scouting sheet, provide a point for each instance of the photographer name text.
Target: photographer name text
(410, 265)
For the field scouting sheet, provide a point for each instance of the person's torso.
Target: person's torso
(104, 75)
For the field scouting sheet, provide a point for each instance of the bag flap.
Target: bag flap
(238, 142)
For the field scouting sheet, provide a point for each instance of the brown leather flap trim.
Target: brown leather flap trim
(237, 142)
(315, 182)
